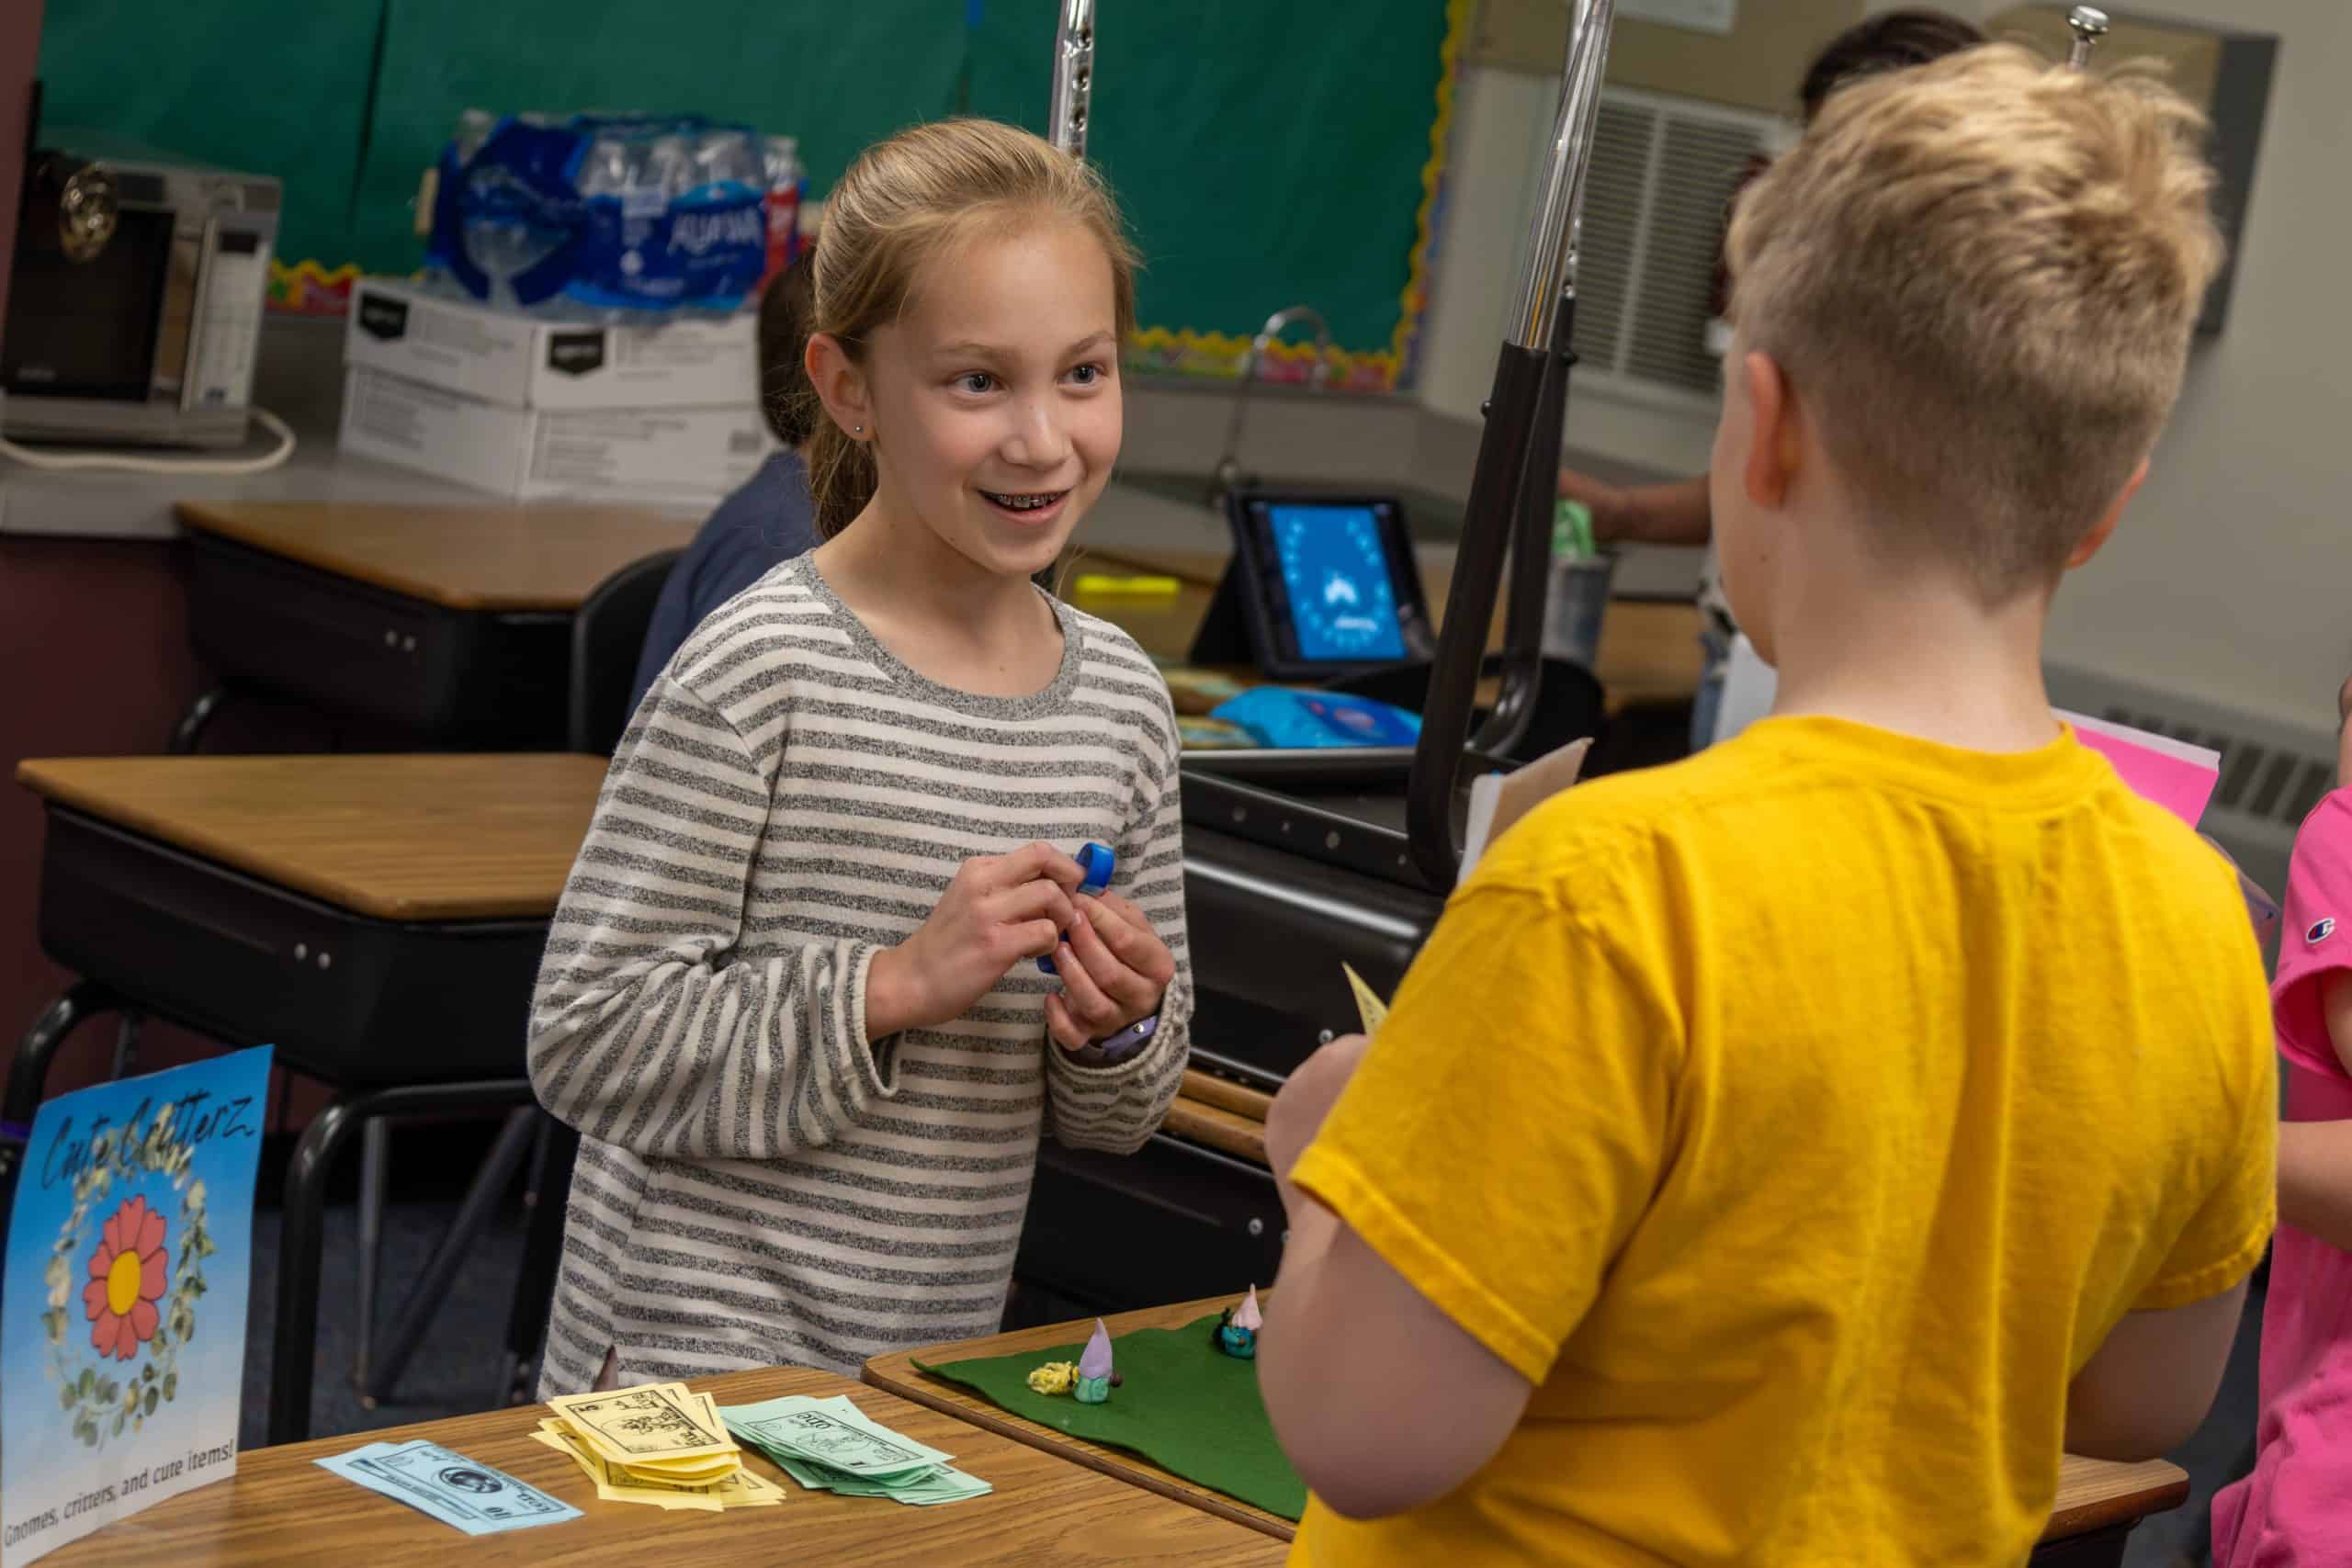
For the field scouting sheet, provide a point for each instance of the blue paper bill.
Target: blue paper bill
(450, 1487)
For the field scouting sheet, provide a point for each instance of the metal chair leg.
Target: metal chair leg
(126, 1043)
(480, 1203)
(191, 727)
(526, 1323)
(294, 1337)
(28, 1076)
(375, 1169)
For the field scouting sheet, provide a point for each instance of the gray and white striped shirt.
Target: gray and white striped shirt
(757, 1186)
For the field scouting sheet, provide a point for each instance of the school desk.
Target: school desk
(2099, 1502)
(449, 624)
(282, 1509)
(378, 920)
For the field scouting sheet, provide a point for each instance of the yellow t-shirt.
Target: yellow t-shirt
(1799, 1119)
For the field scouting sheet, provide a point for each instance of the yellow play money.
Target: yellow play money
(657, 1445)
(652, 1422)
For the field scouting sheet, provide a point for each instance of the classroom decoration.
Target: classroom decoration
(1236, 1328)
(1094, 1367)
(1193, 1411)
(122, 1313)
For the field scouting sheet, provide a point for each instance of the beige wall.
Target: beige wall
(2231, 581)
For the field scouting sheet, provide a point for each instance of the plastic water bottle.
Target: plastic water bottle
(725, 155)
(784, 183)
(1577, 596)
(607, 169)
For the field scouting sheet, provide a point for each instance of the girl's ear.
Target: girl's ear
(840, 385)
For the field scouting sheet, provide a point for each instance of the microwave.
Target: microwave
(134, 311)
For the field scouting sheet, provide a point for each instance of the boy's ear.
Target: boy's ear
(839, 384)
(2088, 545)
(1774, 450)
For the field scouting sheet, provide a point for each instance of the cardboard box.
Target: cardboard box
(651, 454)
(521, 361)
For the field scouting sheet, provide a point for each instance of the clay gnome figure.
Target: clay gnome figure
(1094, 1367)
(1237, 1330)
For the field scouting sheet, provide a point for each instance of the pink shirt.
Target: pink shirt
(2297, 1506)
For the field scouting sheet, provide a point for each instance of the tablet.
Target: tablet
(1328, 583)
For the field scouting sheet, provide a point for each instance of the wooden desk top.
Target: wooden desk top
(469, 837)
(1649, 651)
(464, 557)
(282, 1509)
(2092, 1494)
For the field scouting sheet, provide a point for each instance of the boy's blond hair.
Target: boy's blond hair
(1981, 276)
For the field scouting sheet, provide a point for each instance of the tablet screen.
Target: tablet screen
(1337, 576)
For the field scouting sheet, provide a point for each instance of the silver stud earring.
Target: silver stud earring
(858, 430)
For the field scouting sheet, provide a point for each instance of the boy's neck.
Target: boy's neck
(1918, 655)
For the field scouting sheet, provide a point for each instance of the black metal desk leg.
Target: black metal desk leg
(294, 1337)
(526, 1323)
(190, 728)
(474, 1214)
(375, 1177)
(293, 1350)
(28, 1075)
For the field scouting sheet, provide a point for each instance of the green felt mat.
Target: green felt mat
(1182, 1403)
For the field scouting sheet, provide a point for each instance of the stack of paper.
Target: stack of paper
(827, 1445)
(656, 1444)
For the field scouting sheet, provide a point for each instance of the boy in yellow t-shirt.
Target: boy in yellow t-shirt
(1779, 1158)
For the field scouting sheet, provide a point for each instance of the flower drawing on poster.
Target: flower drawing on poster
(135, 1241)
(127, 1271)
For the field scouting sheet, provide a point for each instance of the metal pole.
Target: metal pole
(1073, 77)
(2088, 23)
(1531, 340)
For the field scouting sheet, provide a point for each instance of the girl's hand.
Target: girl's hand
(1113, 969)
(1000, 910)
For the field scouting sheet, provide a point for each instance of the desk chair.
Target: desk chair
(608, 633)
(608, 636)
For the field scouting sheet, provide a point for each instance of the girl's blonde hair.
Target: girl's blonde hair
(908, 200)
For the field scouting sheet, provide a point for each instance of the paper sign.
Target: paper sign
(122, 1313)
(2171, 773)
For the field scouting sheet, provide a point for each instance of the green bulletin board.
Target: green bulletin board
(262, 86)
(1266, 153)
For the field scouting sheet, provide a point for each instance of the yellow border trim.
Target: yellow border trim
(308, 287)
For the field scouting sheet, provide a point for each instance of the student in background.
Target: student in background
(2295, 1508)
(1678, 513)
(789, 997)
(767, 521)
(1776, 1157)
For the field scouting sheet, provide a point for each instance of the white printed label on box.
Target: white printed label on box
(523, 362)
